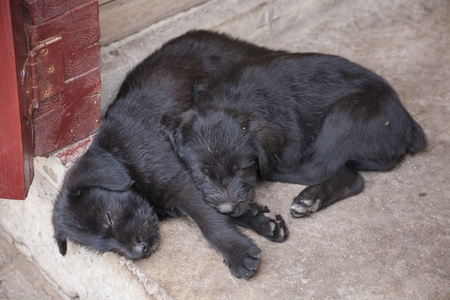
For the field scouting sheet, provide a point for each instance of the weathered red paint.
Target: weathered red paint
(70, 116)
(83, 61)
(69, 112)
(80, 31)
(72, 152)
(16, 161)
(50, 68)
(62, 74)
(38, 11)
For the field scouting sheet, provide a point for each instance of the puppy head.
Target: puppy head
(97, 209)
(224, 151)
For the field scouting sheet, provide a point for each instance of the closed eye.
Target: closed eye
(248, 169)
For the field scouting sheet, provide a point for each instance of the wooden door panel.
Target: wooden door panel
(68, 113)
(52, 98)
(39, 11)
(68, 107)
(16, 159)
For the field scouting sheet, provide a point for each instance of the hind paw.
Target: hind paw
(303, 207)
(308, 201)
(264, 222)
(277, 230)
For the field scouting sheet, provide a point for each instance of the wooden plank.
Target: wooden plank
(71, 112)
(85, 60)
(80, 32)
(58, 26)
(50, 66)
(16, 160)
(85, 29)
(39, 11)
(121, 18)
(70, 116)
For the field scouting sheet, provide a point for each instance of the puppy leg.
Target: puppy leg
(345, 183)
(240, 254)
(261, 220)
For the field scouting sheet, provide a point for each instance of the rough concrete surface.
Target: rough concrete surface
(19, 278)
(250, 19)
(392, 241)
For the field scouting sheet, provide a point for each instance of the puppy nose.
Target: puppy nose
(226, 208)
(141, 247)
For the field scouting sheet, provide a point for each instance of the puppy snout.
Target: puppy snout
(141, 248)
(227, 208)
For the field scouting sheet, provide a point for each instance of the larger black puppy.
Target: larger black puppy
(311, 119)
(113, 195)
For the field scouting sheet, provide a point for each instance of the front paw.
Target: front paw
(243, 261)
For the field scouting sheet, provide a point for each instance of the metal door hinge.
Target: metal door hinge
(43, 73)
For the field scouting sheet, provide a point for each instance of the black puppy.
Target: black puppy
(308, 118)
(130, 177)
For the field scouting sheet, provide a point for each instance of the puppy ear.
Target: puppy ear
(97, 168)
(174, 124)
(170, 122)
(268, 139)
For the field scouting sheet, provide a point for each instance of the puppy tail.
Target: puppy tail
(62, 245)
(59, 236)
(418, 141)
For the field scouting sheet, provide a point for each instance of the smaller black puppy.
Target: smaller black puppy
(114, 194)
(310, 119)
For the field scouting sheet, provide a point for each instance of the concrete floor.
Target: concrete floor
(392, 241)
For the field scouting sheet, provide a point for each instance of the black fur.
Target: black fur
(130, 176)
(309, 118)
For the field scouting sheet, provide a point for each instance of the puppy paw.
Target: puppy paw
(264, 222)
(308, 201)
(273, 226)
(303, 207)
(243, 261)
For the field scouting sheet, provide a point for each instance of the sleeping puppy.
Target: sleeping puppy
(309, 119)
(130, 178)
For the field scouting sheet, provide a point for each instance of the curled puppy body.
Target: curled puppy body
(309, 118)
(130, 177)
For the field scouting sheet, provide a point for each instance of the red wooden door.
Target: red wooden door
(50, 85)
(16, 159)
(65, 37)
